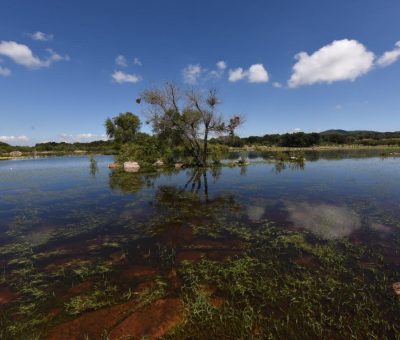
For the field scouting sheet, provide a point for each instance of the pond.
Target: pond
(278, 248)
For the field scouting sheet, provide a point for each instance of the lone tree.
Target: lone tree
(123, 128)
(189, 118)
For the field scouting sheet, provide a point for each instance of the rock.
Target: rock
(158, 163)
(152, 322)
(114, 165)
(15, 153)
(179, 165)
(242, 162)
(396, 288)
(92, 324)
(131, 166)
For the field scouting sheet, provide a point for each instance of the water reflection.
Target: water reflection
(129, 229)
(93, 166)
(327, 221)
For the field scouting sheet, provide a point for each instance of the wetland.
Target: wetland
(282, 247)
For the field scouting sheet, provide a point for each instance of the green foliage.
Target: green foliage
(123, 128)
(145, 151)
(105, 147)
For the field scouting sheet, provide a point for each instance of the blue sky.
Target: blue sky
(286, 65)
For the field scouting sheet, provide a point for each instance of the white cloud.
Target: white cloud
(136, 61)
(218, 73)
(341, 60)
(258, 74)
(221, 65)
(4, 72)
(81, 137)
(8, 139)
(40, 36)
(192, 73)
(390, 57)
(22, 55)
(122, 77)
(121, 61)
(255, 74)
(86, 135)
(237, 74)
(277, 85)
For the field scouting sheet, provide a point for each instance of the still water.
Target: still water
(296, 245)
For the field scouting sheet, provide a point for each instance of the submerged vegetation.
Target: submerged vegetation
(217, 264)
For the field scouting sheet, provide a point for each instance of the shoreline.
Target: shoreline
(256, 148)
(347, 147)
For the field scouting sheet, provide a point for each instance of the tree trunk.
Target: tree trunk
(205, 146)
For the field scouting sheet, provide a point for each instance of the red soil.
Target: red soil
(152, 321)
(6, 295)
(123, 321)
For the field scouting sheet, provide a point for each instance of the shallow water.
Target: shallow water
(70, 221)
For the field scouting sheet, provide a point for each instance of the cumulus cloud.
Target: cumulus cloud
(136, 61)
(23, 55)
(221, 65)
(255, 74)
(258, 74)
(237, 74)
(13, 139)
(122, 77)
(40, 36)
(121, 61)
(192, 73)
(341, 60)
(390, 57)
(4, 72)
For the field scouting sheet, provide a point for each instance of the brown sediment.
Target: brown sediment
(216, 301)
(118, 256)
(67, 262)
(80, 288)
(216, 245)
(92, 324)
(6, 295)
(174, 279)
(189, 255)
(152, 321)
(138, 271)
(222, 255)
(123, 321)
(306, 261)
(211, 249)
(53, 313)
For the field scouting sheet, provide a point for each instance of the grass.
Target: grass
(103, 295)
(268, 295)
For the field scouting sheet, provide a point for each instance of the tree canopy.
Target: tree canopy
(188, 118)
(123, 128)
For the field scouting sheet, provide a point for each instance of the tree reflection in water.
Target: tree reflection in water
(182, 217)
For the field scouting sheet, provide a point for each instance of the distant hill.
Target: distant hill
(355, 132)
